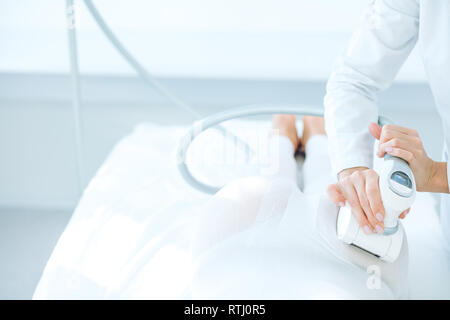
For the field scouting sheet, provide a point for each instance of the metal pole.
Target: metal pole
(76, 93)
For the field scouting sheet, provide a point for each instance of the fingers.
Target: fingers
(380, 133)
(395, 139)
(405, 155)
(347, 188)
(373, 195)
(359, 183)
(360, 190)
(335, 195)
(409, 144)
(404, 213)
(375, 130)
(404, 130)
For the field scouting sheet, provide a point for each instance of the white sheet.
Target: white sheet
(116, 246)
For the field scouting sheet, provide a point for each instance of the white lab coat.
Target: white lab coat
(388, 31)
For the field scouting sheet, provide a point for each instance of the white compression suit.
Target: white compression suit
(258, 238)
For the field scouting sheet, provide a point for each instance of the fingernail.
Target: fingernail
(378, 229)
(388, 149)
(367, 230)
(379, 217)
(341, 204)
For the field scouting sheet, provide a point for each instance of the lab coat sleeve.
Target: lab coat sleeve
(387, 33)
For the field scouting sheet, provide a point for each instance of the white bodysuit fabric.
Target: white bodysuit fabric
(258, 238)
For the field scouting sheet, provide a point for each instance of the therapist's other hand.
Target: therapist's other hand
(405, 143)
(359, 187)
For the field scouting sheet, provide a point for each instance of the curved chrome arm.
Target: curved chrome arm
(215, 119)
(208, 122)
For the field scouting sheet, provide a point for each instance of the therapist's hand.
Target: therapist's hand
(405, 143)
(359, 187)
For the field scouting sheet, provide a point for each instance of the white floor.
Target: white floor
(27, 239)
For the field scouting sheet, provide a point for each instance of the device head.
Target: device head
(397, 190)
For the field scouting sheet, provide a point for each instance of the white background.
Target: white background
(272, 39)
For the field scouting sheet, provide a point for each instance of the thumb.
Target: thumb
(335, 195)
(375, 130)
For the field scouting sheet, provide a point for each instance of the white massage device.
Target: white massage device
(398, 190)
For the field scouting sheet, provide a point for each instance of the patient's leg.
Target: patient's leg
(316, 169)
(283, 143)
(246, 201)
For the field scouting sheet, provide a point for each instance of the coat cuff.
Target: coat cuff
(351, 162)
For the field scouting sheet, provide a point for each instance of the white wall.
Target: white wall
(275, 39)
